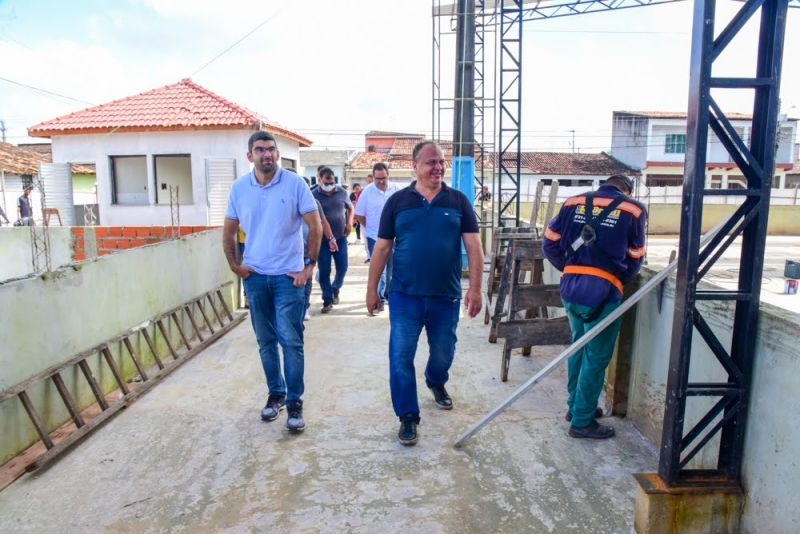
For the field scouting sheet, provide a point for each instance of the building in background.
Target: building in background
(654, 142)
(180, 135)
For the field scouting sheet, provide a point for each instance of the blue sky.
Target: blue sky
(335, 69)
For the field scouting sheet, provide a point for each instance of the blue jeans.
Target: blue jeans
(386, 275)
(324, 266)
(276, 311)
(407, 315)
(586, 368)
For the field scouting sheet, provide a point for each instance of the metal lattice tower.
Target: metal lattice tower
(40, 235)
(174, 212)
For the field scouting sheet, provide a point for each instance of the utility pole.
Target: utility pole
(463, 126)
(3, 129)
(573, 141)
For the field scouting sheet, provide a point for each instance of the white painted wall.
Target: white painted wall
(770, 467)
(200, 144)
(15, 249)
(629, 137)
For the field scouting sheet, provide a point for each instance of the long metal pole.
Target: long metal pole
(576, 346)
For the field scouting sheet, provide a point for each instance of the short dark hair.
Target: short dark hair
(380, 166)
(320, 167)
(260, 135)
(326, 171)
(620, 179)
(418, 148)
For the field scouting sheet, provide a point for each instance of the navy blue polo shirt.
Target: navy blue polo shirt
(427, 240)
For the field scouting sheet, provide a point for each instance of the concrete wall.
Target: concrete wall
(200, 145)
(15, 249)
(47, 320)
(665, 218)
(771, 469)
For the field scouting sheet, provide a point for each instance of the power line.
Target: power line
(245, 36)
(45, 91)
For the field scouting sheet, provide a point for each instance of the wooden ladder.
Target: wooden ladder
(83, 421)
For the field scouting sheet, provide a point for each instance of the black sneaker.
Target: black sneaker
(441, 397)
(295, 422)
(327, 306)
(594, 431)
(336, 296)
(275, 404)
(598, 413)
(408, 430)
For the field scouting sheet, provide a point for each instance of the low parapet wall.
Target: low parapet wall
(51, 318)
(770, 468)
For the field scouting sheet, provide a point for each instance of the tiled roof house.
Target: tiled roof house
(144, 146)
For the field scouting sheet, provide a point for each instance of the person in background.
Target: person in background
(368, 212)
(24, 209)
(354, 200)
(338, 210)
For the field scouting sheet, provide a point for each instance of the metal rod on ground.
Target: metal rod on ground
(572, 349)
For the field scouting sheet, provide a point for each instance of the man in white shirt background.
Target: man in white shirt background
(368, 213)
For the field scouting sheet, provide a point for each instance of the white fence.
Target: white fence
(669, 195)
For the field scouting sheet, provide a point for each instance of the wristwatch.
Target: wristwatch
(311, 262)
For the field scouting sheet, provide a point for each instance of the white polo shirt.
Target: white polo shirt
(370, 206)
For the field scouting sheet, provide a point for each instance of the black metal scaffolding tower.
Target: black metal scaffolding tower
(728, 415)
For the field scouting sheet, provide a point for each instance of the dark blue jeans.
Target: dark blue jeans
(386, 275)
(276, 311)
(408, 314)
(324, 266)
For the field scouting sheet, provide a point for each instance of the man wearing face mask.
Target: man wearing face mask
(338, 210)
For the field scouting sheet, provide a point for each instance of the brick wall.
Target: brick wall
(111, 239)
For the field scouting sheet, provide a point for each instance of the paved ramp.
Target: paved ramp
(194, 455)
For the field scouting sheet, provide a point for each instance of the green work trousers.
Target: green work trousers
(586, 368)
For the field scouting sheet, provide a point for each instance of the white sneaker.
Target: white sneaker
(307, 316)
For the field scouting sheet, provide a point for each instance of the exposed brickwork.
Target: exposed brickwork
(117, 238)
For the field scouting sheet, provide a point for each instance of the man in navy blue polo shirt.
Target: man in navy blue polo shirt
(271, 204)
(427, 222)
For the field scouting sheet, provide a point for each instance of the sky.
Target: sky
(332, 70)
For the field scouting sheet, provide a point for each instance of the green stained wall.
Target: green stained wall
(47, 320)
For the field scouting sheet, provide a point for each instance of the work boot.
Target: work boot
(336, 296)
(408, 429)
(594, 431)
(598, 413)
(441, 397)
(327, 306)
(295, 422)
(275, 404)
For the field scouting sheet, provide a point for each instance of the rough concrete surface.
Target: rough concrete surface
(193, 454)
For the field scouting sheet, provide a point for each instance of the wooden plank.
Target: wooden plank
(135, 358)
(69, 402)
(98, 393)
(551, 202)
(224, 305)
(160, 325)
(214, 309)
(528, 250)
(115, 370)
(180, 331)
(536, 296)
(152, 346)
(197, 332)
(35, 419)
(537, 204)
(205, 317)
(533, 332)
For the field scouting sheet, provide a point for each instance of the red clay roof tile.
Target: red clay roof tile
(181, 106)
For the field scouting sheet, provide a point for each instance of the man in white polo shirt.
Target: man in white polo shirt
(271, 204)
(368, 213)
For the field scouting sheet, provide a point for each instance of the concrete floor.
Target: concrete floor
(193, 453)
